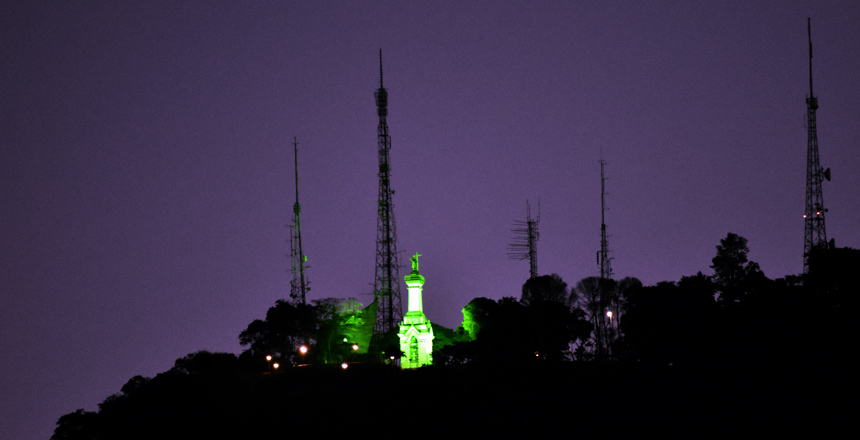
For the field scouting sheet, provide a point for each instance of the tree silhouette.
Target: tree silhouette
(287, 326)
(510, 331)
(597, 295)
(546, 288)
(672, 323)
(329, 327)
(734, 275)
(78, 425)
(476, 315)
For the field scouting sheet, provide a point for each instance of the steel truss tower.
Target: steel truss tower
(299, 284)
(387, 279)
(525, 234)
(814, 235)
(603, 260)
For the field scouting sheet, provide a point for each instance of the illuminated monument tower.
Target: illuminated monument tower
(386, 283)
(416, 332)
(814, 234)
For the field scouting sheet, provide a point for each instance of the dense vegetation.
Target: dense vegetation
(723, 353)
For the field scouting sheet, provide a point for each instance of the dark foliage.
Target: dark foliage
(832, 288)
(540, 327)
(670, 323)
(735, 352)
(597, 296)
(544, 289)
(328, 327)
(735, 276)
(79, 425)
(545, 400)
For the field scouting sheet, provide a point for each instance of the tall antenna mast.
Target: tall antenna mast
(814, 233)
(603, 260)
(387, 279)
(525, 235)
(298, 285)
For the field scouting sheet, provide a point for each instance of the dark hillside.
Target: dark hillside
(538, 401)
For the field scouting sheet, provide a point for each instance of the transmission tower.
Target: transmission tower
(299, 284)
(525, 235)
(387, 279)
(814, 235)
(603, 260)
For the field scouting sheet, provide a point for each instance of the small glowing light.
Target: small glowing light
(269, 358)
(818, 213)
(804, 215)
(344, 365)
(392, 358)
(609, 314)
(303, 349)
(536, 354)
(276, 365)
(355, 347)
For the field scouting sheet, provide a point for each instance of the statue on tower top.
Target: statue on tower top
(414, 259)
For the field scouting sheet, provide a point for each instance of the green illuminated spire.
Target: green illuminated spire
(416, 331)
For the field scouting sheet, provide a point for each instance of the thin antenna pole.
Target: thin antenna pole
(296, 159)
(604, 262)
(809, 33)
(299, 282)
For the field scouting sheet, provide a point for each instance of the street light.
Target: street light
(608, 333)
(303, 349)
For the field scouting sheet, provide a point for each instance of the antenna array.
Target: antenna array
(525, 235)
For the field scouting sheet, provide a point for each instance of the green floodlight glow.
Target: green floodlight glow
(416, 331)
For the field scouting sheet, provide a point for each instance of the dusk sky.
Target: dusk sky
(147, 166)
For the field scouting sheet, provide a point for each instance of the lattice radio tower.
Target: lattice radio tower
(814, 234)
(299, 284)
(387, 279)
(525, 235)
(603, 260)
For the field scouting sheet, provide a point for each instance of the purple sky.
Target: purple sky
(147, 167)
